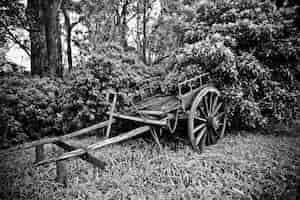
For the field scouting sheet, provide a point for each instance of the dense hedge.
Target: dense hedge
(29, 107)
(33, 107)
(252, 51)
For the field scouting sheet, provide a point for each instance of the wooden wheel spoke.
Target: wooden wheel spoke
(206, 105)
(203, 114)
(198, 128)
(215, 103)
(217, 109)
(203, 141)
(211, 102)
(200, 119)
(209, 139)
(198, 138)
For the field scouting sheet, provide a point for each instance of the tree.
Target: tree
(45, 37)
(145, 3)
(53, 37)
(37, 33)
(67, 7)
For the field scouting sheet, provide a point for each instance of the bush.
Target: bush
(30, 108)
(252, 52)
(35, 107)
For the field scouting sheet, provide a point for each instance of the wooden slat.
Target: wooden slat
(159, 103)
(161, 122)
(54, 139)
(92, 147)
(110, 120)
(87, 157)
(153, 112)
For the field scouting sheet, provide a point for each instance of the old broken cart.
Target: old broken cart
(197, 101)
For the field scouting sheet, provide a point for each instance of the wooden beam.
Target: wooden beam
(61, 171)
(113, 105)
(92, 147)
(153, 112)
(162, 122)
(87, 157)
(54, 139)
(39, 153)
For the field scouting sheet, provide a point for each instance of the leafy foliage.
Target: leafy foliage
(37, 107)
(252, 52)
(29, 108)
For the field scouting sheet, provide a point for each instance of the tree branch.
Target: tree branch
(15, 40)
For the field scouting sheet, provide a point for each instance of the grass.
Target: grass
(241, 166)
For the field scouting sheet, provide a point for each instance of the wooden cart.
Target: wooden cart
(198, 102)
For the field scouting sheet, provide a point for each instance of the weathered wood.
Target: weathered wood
(39, 153)
(113, 105)
(98, 145)
(158, 103)
(153, 112)
(156, 139)
(54, 139)
(187, 98)
(162, 122)
(61, 171)
(87, 157)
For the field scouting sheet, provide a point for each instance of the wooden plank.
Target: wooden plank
(113, 105)
(61, 171)
(153, 112)
(187, 98)
(54, 139)
(92, 147)
(156, 102)
(161, 122)
(87, 157)
(39, 153)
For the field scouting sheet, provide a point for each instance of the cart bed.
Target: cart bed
(163, 104)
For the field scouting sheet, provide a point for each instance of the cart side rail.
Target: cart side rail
(189, 88)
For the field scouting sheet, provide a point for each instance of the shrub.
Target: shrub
(252, 52)
(35, 107)
(29, 107)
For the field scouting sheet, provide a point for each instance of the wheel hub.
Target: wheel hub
(211, 122)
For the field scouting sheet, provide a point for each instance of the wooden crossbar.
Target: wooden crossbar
(153, 112)
(162, 122)
(92, 147)
(87, 157)
(59, 138)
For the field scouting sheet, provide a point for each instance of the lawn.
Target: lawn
(241, 166)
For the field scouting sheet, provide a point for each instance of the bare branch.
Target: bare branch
(15, 40)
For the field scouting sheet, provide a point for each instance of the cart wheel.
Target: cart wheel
(207, 118)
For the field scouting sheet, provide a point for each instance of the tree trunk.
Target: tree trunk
(69, 48)
(144, 30)
(68, 28)
(53, 38)
(35, 15)
(138, 38)
(124, 25)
